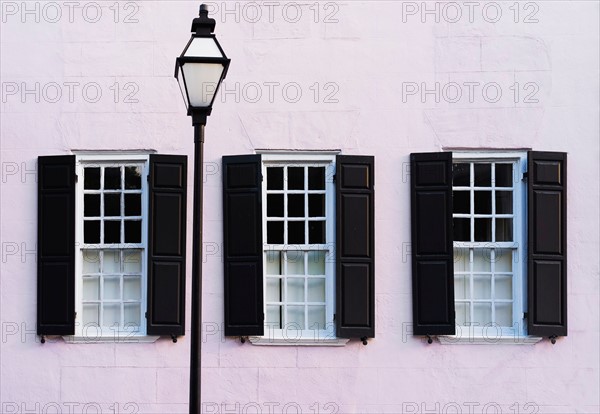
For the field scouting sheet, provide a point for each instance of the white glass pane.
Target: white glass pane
(273, 289)
(91, 261)
(482, 287)
(463, 316)
(273, 262)
(295, 318)
(316, 263)
(503, 286)
(203, 47)
(503, 260)
(295, 262)
(274, 316)
(132, 315)
(132, 288)
(202, 80)
(482, 314)
(91, 288)
(112, 314)
(132, 261)
(111, 262)
(112, 288)
(482, 261)
(295, 289)
(316, 317)
(461, 287)
(316, 290)
(91, 314)
(461, 260)
(504, 314)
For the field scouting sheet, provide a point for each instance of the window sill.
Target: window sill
(130, 339)
(265, 341)
(483, 340)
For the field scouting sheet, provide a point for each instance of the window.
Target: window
(299, 247)
(489, 244)
(111, 245)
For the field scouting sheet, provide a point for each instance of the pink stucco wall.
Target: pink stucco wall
(360, 57)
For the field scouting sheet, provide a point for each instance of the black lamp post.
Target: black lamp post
(199, 70)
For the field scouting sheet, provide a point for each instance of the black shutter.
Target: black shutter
(56, 245)
(547, 244)
(355, 249)
(242, 245)
(166, 245)
(432, 234)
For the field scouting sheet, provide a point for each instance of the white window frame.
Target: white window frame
(107, 334)
(516, 334)
(308, 337)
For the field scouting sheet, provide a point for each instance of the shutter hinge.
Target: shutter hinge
(146, 315)
(75, 315)
(525, 175)
(334, 177)
(524, 315)
(263, 316)
(334, 316)
(262, 178)
(76, 178)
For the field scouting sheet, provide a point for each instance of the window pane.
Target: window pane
(316, 290)
(91, 288)
(316, 232)
(112, 314)
(295, 318)
(133, 231)
(316, 178)
(133, 179)
(296, 178)
(274, 289)
(295, 289)
(274, 205)
(295, 262)
(504, 202)
(112, 178)
(296, 205)
(91, 231)
(273, 264)
(463, 314)
(482, 260)
(91, 205)
(316, 317)
(112, 232)
(132, 315)
(483, 229)
(503, 260)
(461, 287)
(296, 232)
(316, 205)
(91, 314)
(132, 261)
(132, 287)
(482, 313)
(503, 287)
(316, 263)
(273, 317)
(504, 175)
(133, 204)
(112, 288)
(482, 287)
(504, 314)
(460, 175)
(111, 262)
(462, 229)
(91, 261)
(275, 232)
(461, 260)
(483, 175)
(91, 179)
(275, 178)
(504, 229)
(483, 202)
(461, 201)
(112, 205)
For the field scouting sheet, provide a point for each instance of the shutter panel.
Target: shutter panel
(547, 243)
(432, 235)
(56, 245)
(242, 245)
(355, 252)
(166, 245)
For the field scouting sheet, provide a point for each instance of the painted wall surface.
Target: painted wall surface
(381, 78)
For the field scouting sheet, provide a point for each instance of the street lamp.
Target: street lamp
(199, 70)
